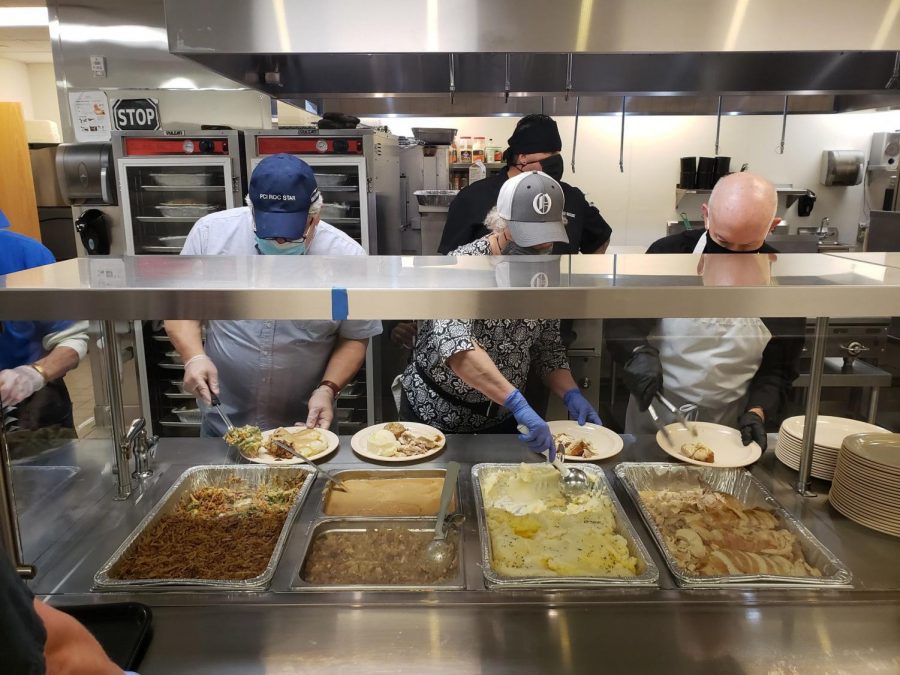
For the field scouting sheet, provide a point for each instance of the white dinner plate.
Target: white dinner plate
(265, 458)
(725, 443)
(830, 431)
(606, 443)
(360, 442)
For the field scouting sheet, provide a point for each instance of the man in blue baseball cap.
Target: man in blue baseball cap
(271, 373)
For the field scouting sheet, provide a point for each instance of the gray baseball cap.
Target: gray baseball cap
(533, 203)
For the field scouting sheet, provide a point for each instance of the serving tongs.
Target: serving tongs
(217, 404)
(679, 415)
(659, 425)
(338, 483)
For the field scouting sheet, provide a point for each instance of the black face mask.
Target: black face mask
(713, 247)
(512, 248)
(553, 166)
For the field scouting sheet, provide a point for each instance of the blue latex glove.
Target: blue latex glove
(579, 408)
(538, 437)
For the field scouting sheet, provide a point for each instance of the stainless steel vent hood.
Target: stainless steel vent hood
(502, 56)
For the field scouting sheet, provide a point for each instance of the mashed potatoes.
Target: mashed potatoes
(536, 532)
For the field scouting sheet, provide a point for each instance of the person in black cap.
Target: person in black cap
(534, 146)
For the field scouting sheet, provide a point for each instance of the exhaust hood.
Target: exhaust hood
(472, 57)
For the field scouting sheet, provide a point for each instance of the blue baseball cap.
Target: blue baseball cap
(282, 188)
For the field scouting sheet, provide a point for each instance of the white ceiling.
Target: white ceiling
(28, 45)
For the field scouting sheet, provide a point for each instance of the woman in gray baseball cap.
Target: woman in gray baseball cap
(464, 375)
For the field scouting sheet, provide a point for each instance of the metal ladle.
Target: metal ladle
(439, 552)
(572, 482)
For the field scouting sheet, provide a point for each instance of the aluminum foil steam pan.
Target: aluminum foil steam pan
(648, 574)
(192, 479)
(739, 483)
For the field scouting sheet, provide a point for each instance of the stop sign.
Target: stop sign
(136, 114)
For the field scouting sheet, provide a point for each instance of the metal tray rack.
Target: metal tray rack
(192, 479)
(648, 574)
(739, 483)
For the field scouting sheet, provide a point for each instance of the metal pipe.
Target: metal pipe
(452, 79)
(10, 538)
(507, 83)
(783, 125)
(622, 140)
(718, 123)
(569, 76)
(813, 393)
(575, 135)
(113, 380)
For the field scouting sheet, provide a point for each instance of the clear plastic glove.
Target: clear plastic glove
(753, 428)
(404, 334)
(643, 377)
(17, 384)
(580, 408)
(321, 408)
(201, 377)
(538, 437)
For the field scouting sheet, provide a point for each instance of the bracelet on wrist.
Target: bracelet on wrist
(331, 386)
(40, 371)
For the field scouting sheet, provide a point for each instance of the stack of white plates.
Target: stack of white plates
(830, 435)
(866, 485)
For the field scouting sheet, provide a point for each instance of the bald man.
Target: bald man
(738, 371)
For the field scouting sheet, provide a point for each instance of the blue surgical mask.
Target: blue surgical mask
(272, 247)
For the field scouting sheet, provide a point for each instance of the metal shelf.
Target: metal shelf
(407, 287)
(338, 188)
(791, 194)
(166, 219)
(182, 188)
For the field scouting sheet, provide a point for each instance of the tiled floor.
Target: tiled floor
(81, 390)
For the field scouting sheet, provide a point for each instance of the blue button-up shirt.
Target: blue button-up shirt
(268, 369)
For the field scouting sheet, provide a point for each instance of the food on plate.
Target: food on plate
(381, 555)
(386, 497)
(698, 451)
(536, 532)
(225, 532)
(575, 447)
(307, 442)
(712, 533)
(397, 440)
(247, 439)
(383, 443)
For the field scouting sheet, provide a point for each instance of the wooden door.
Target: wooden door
(17, 198)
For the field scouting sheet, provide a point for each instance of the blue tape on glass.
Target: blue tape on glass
(340, 306)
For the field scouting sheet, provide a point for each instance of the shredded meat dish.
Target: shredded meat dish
(711, 533)
(224, 533)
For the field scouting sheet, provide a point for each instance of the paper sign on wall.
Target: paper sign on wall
(90, 116)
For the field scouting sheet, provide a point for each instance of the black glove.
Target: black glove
(753, 429)
(643, 376)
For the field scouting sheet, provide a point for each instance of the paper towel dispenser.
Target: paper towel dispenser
(841, 167)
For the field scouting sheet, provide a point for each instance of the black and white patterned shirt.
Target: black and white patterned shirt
(512, 344)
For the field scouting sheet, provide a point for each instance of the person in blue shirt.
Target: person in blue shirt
(34, 355)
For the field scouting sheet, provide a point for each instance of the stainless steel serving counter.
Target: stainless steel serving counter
(71, 525)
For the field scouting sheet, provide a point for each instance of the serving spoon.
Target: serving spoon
(572, 482)
(439, 552)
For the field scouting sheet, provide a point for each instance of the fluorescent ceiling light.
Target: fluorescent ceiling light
(23, 16)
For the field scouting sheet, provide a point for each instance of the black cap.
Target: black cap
(535, 133)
